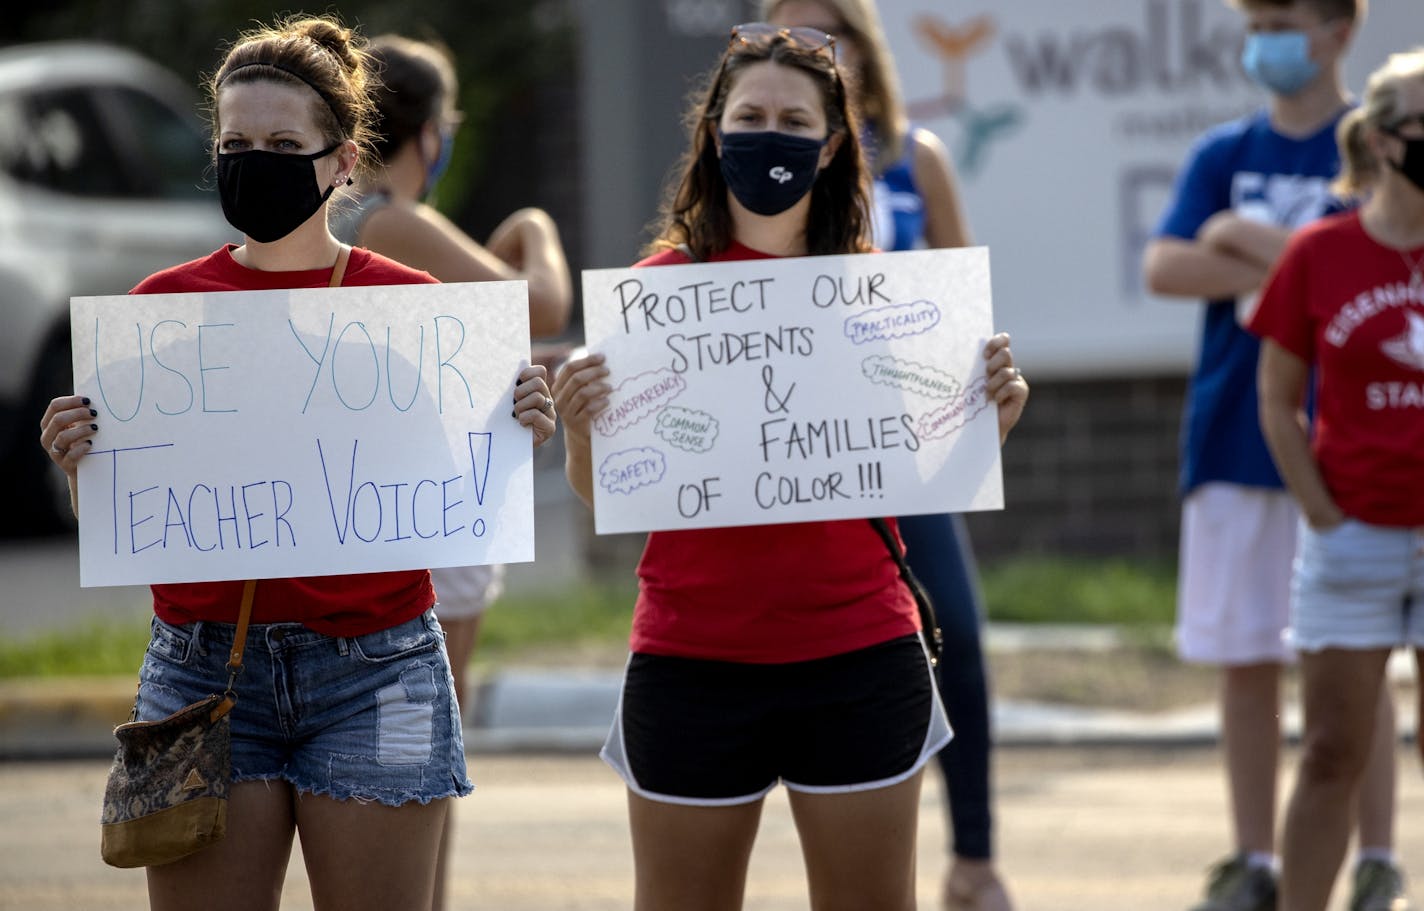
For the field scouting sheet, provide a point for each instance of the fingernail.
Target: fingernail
(93, 426)
(514, 414)
(86, 401)
(93, 413)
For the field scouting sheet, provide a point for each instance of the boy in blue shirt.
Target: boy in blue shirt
(1245, 186)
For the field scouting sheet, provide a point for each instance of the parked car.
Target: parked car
(104, 175)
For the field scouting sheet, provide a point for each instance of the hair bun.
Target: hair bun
(343, 43)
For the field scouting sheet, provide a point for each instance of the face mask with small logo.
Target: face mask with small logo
(268, 195)
(769, 172)
(1279, 61)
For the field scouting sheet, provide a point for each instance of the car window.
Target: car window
(168, 152)
(53, 139)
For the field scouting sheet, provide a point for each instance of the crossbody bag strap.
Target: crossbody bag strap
(339, 272)
(239, 644)
(933, 637)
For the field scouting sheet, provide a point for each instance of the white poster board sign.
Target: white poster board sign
(310, 432)
(790, 390)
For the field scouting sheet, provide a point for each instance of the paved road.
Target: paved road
(1081, 830)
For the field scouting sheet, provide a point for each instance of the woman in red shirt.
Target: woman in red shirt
(346, 728)
(780, 652)
(1346, 300)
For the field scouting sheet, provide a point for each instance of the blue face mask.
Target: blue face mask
(1279, 61)
(769, 172)
(441, 162)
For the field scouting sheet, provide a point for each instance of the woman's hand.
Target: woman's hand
(67, 434)
(1006, 386)
(581, 391)
(533, 405)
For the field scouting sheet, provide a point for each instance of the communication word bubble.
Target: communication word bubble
(948, 418)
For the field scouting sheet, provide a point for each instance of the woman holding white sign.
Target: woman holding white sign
(345, 730)
(753, 646)
(915, 203)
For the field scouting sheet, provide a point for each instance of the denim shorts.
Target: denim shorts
(1358, 586)
(368, 718)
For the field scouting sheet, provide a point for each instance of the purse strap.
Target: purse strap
(934, 638)
(239, 642)
(339, 271)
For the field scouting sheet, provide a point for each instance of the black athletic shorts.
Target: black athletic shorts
(719, 732)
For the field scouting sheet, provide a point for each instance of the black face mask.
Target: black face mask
(268, 195)
(769, 172)
(1412, 166)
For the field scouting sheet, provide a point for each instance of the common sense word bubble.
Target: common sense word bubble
(636, 398)
(948, 418)
(910, 376)
(694, 431)
(627, 470)
(895, 321)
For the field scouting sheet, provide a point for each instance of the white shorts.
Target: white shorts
(462, 592)
(1358, 586)
(1234, 578)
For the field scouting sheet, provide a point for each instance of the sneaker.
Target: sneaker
(1379, 886)
(1236, 886)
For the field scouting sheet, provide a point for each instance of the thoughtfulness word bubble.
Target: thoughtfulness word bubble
(694, 431)
(637, 397)
(910, 376)
(948, 418)
(895, 321)
(628, 469)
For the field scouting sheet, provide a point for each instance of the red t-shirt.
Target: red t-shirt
(350, 605)
(1342, 302)
(767, 593)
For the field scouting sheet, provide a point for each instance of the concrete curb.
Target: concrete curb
(531, 710)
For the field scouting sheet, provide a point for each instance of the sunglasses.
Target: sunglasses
(1416, 119)
(810, 39)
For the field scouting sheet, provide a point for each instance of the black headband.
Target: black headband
(294, 74)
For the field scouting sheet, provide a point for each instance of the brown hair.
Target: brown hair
(1329, 10)
(417, 85)
(1359, 168)
(695, 211)
(319, 53)
(878, 98)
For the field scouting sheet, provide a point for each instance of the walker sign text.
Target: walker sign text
(302, 433)
(766, 391)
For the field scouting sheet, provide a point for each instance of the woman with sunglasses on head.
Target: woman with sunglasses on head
(915, 204)
(414, 126)
(345, 730)
(1345, 302)
(781, 652)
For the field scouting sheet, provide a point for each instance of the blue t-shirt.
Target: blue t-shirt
(1246, 166)
(898, 221)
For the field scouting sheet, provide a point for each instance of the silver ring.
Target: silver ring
(548, 406)
(54, 447)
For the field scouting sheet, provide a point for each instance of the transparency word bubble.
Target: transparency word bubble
(637, 397)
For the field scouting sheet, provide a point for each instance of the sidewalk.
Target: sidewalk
(529, 710)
